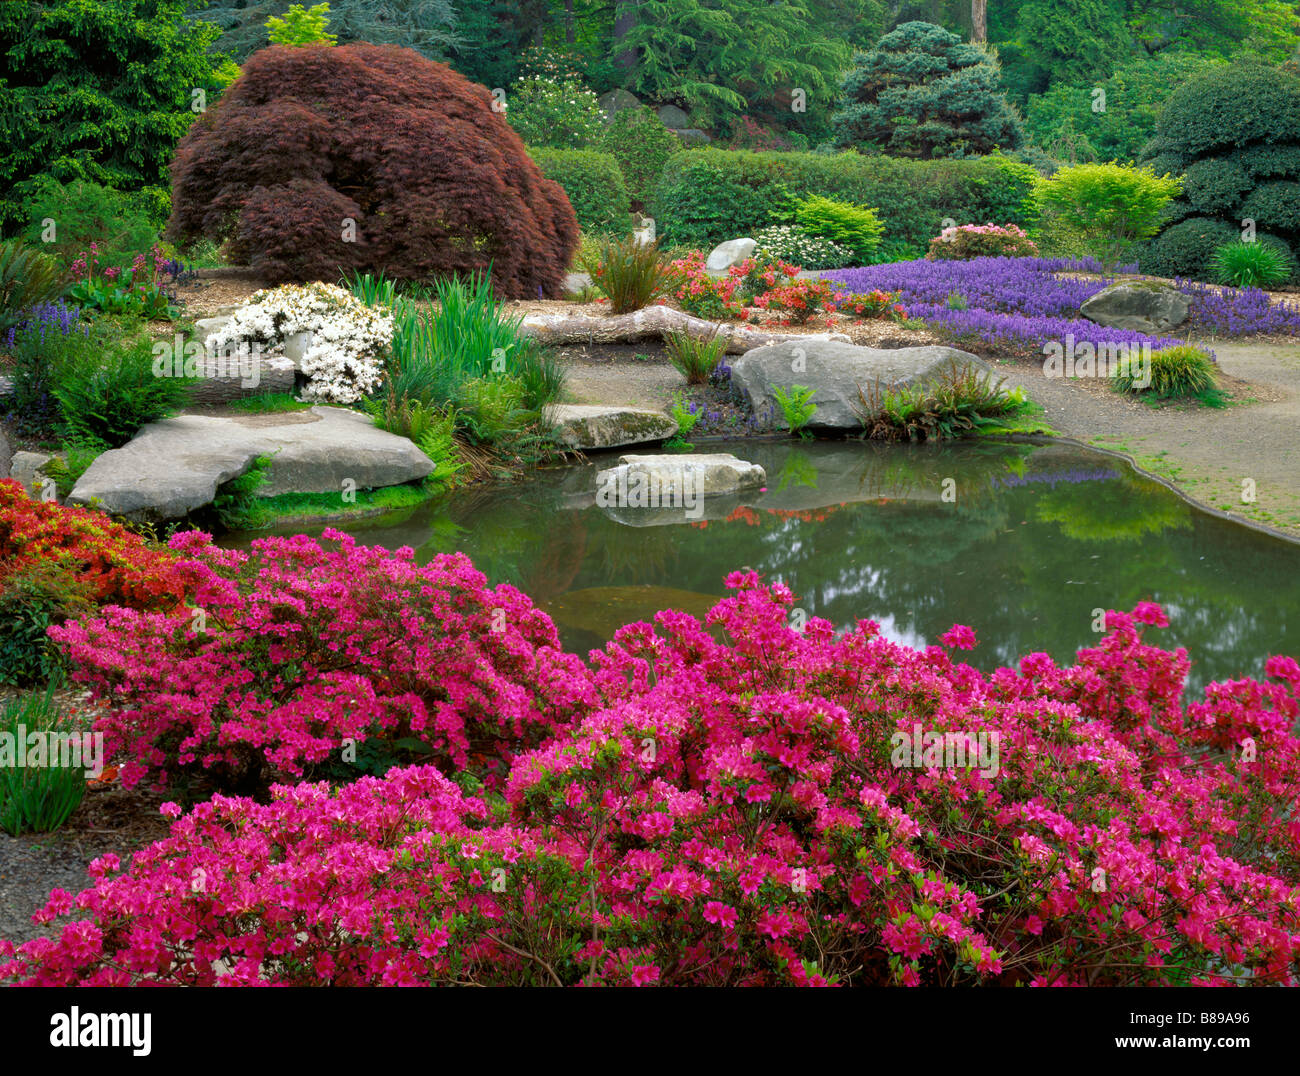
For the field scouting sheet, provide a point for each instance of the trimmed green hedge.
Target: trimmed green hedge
(594, 184)
(706, 196)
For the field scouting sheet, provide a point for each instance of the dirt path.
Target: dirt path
(623, 375)
(1218, 457)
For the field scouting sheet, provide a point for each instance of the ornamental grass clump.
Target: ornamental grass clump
(1251, 265)
(953, 404)
(1182, 372)
(446, 343)
(38, 797)
(628, 273)
(733, 802)
(695, 357)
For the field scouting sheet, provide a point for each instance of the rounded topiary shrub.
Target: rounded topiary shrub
(1276, 205)
(368, 158)
(1186, 248)
(1211, 184)
(594, 184)
(1235, 134)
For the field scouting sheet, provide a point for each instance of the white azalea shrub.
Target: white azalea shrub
(348, 339)
(791, 243)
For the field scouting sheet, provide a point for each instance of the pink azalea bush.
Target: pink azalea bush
(981, 240)
(298, 647)
(721, 812)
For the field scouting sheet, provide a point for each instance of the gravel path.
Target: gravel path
(28, 872)
(630, 384)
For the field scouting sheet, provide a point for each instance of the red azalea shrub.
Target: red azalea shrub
(981, 241)
(434, 180)
(872, 304)
(744, 812)
(110, 564)
(800, 300)
(383, 882)
(719, 298)
(758, 275)
(298, 646)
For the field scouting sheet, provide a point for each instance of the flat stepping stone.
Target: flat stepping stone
(593, 426)
(173, 467)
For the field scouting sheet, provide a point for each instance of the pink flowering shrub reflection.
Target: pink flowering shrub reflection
(689, 811)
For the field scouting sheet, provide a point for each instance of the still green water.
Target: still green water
(1021, 542)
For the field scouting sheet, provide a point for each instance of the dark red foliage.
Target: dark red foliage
(436, 181)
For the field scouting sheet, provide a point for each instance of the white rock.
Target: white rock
(674, 480)
(727, 254)
(26, 467)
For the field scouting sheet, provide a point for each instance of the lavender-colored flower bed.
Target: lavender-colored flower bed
(1019, 304)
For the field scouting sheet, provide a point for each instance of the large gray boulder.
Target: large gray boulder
(6, 455)
(1144, 306)
(725, 255)
(691, 136)
(615, 101)
(173, 467)
(592, 426)
(837, 371)
(673, 117)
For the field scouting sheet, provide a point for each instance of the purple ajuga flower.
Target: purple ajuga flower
(1023, 304)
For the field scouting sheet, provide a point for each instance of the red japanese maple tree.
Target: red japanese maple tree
(370, 158)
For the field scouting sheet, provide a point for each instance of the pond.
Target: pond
(1023, 542)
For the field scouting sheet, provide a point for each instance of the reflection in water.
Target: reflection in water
(1021, 542)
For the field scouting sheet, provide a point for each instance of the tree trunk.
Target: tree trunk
(979, 23)
(570, 36)
(625, 18)
(653, 321)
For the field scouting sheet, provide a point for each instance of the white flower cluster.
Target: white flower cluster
(348, 339)
(791, 243)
